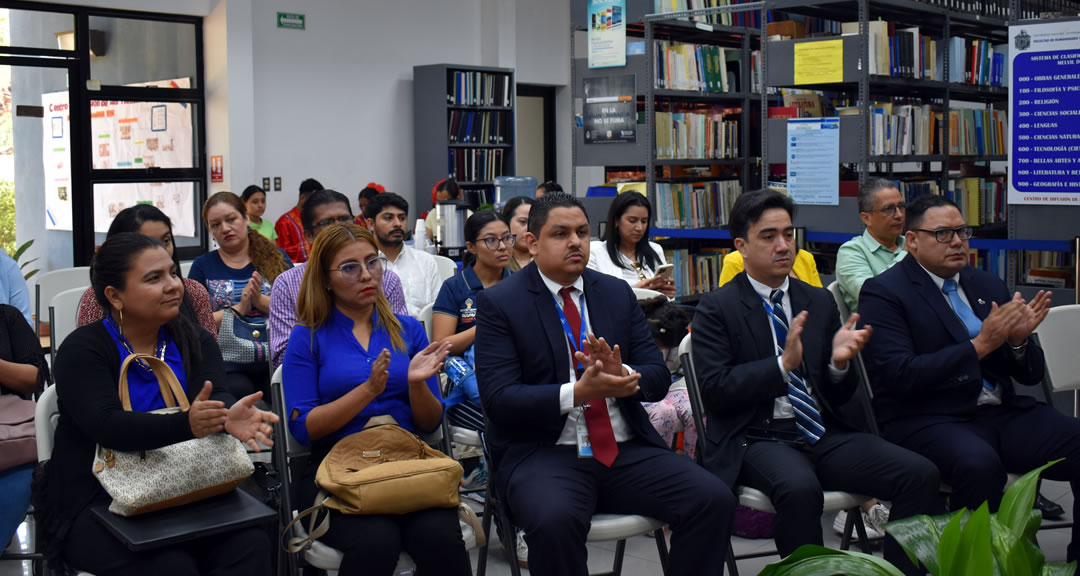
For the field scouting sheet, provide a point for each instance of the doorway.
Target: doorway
(536, 132)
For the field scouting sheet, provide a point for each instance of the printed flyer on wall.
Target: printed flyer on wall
(607, 33)
(1044, 113)
(610, 112)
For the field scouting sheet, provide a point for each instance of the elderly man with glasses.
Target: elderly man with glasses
(950, 346)
(882, 210)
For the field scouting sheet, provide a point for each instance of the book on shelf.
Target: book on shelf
(696, 272)
(981, 200)
(473, 127)
(784, 112)
(475, 164)
(978, 62)
(1045, 268)
(696, 67)
(809, 103)
(693, 132)
(978, 132)
(695, 204)
(904, 129)
(994, 261)
(750, 18)
(479, 89)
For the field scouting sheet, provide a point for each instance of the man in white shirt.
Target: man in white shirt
(387, 216)
(563, 361)
(950, 346)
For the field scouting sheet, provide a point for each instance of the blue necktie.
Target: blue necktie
(966, 315)
(807, 417)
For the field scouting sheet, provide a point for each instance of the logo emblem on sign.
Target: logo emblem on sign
(1022, 40)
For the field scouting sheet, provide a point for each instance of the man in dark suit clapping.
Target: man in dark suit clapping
(774, 363)
(563, 361)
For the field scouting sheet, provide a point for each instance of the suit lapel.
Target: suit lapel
(757, 321)
(544, 305)
(979, 305)
(933, 297)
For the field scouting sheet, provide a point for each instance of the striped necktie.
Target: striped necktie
(807, 417)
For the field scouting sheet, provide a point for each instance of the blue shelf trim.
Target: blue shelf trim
(841, 237)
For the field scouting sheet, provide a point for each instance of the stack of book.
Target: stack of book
(475, 165)
(695, 204)
(978, 132)
(697, 272)
(698, 133)
(479, 89)
(697, 67)
(978, 62)
(901, 52)
(469, 127)
(1052, 269)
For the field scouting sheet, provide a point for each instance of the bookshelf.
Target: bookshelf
(463, 127)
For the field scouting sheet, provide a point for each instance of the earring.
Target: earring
(121, 312)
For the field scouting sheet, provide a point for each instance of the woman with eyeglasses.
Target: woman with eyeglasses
(350, 359)
(626, 252)
(238, 276)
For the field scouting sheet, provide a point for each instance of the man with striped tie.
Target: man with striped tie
(773, 362)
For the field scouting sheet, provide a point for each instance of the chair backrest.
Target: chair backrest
(697, 405)
(1057, 337)
(645, 294)
(63, 317)
(834, 289)
(447, 267)
(52, 283)
(425, 318)
(185, 267)
(46, 417)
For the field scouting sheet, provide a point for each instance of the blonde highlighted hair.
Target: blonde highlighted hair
(264, 254)
(315, 302)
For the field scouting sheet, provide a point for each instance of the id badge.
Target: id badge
(584, 443)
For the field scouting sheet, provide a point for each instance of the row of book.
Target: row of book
(1036, 8)
(981, 200)
(994, 261)
(697, 134)
(978, 132)
(749, 19)
(913, 129)
(697, 272)
(697, 67)
(695, 204)
(471, 127)
(978, 62)
(478, 89)
(475, 165)
(1051, 269)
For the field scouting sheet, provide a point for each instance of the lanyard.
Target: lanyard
(566, 326)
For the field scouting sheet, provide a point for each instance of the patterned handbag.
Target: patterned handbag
(243, 342)
(173, 475)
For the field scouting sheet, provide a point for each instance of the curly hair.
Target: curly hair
(264, 254)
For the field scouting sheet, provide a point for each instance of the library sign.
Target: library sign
(1044, 113)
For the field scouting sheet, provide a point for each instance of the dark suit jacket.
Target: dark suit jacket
(522, 360)
(922, 364)
(736, 366)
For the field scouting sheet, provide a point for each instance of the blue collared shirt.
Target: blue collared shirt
(322, 369)
(13, 290)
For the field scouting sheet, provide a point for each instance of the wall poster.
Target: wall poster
(607, 33)
(610, 113)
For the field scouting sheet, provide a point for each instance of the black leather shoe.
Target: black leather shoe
(1050, 510)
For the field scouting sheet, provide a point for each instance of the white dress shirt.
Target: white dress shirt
(419, 274)
(600, 260)
(782, 404)
(986, 396)
(566, 392)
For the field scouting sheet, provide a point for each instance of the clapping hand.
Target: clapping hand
(597, 350)
(428, 361)
(206, 416)
(848, 341)
(376, 381)
(792, 356)
(250, 425)
(1031, 315)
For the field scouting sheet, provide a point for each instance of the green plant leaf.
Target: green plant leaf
(948, 550)
(27, 263)
(810, 560)
(974, 556)
(919, 536)
(1013, 559)
(1058, 569)
(32, 272)
(19, 251)
(1019, 499)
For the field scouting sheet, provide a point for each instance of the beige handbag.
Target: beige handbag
(174, 475)
(383, 469)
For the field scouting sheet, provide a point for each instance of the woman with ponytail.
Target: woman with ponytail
(239, 275)
(351, 359)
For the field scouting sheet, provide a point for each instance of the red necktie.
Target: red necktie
(597, 419)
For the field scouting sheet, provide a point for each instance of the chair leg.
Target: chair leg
(849, 525)
(732, 563)
(864, 542)
(485, 523)
(661, 549)
(620, 552)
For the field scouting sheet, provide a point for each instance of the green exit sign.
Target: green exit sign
(286, 20)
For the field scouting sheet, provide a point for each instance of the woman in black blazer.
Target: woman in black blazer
(136, 283)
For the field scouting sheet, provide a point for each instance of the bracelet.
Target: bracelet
(1019, 348)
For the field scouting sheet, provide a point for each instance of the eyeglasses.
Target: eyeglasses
(353, 271)
(890, 209)
(332, 221)
(945, 235)
(492, 242)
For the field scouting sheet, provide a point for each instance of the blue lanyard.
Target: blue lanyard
(566, 325)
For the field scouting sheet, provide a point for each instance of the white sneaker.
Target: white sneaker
(873, 530)
(521, 549)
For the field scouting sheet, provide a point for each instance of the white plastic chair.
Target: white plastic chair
(425, 318)
(645, 294)
(320, 555)
(52, 283)
(63, 318)
(185, 268)
(834, 289)
(447, 267)
(1057, 338)
(834, 501)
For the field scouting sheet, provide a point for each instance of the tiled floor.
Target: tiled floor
(642, 560)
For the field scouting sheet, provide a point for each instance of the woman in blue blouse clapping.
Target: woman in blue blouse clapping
(350, 359)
